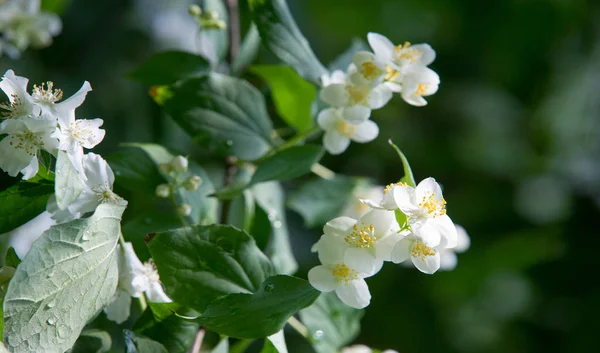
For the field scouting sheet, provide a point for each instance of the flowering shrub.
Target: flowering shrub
(214, 263)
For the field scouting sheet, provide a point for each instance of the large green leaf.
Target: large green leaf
(201, 263)
(169, 67)
(281, 36)
(292, 95)
(175, 333)
(225, 113)
(271, 198)
(68, 276)
(135, 171)
(332, 323)
(261, 314)
(93, 341)
(22, 202)
(320, 200)
(139, 344)
(288, 164)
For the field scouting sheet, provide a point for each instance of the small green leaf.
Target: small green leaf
(400, 218)
(288, 164)
(139, 344)
(169, 67)
(320, 200)
(408, 174)
(56, 6)
(137, 228)
(281, 36)
(12, 259)
(292, 95)
(337, 323)
(248, 51)
(201, 263)
(271, 199)
(22, 202)
(51, 293)
(68, 185)
(93, 341)
(261, 314)
(172, 331)
(227, 114)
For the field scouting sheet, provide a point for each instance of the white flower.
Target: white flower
(358, 100)
(347, 282)
(425, 258)
(367, 69)
(337, 76)
(78, 134)
(179, 164)
(370, 239)
(448, 258)
(339, 131)
(47, 98)
(135, 279)
(18, 150)
(355, 208)
(21, 103)
(400, 57)
(360, 348)
(418, 83)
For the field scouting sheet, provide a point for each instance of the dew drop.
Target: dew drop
(118, 172)
(277, 224)
(51, 304)
(272, 215)
(318, 335)
(51, 321)
(86, 235)
(62, 331)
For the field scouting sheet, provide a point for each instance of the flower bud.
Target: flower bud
(192, 183)
(184, 210)
(195, 10)
(163, 190)
(179, 164)
(165, 168)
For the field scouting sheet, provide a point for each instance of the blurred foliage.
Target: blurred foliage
(513, 135)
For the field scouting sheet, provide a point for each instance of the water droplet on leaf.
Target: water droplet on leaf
(62, 331)
(86, 235)
(51, 321)
(277, 224)
(318, 335)
(51, 304)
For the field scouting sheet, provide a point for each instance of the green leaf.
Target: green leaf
(160, 323)
(288, 164)
(292, 95)
(201, 263)
(320, 200)
(214, 43)
(139, 344)
(137, 228)
(204, 208)
(69, 275)
(169, 67)
(271, 198)
(12, 259)
(334, 322)
(135, 171)
(68, 185)
(241, 211)
(345, 59)
(281, 36)
(261, 314)
(400, 218)
(6, 274)
(22, 202)
(248, 51)
(408, 174)
(225, 113)
(93, 341)
(56, 6)
(275, 343)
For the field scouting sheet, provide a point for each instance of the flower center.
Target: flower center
(357, 94)
(422, 251)
(81, 131)
(433, 206)
(421, 89)
(13, 109)
(405, 53)
(105, 195)
(345, 128)
(48, 94)
(391, 74)
(344, 274)
(26, 141)
(363, 237)
(150, 271)
(389, 187)
(370, 71)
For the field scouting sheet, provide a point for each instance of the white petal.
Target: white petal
(401, 252)
(339, 226)
(362, 57)
(328, 119)
(464, 242)
(428, 234)
(395, 87)
(365, 132)
(65, 110)
(156, 293)
(427, 264)
(382, 46)
(404, 198)
(322, 279)
(362, 261)
(356, 114)
(379, 96)
(428, 187)
(448, 260)
(118, 309)
(357, 348)
(372, 204)
(381, 221)
(94, 135)
(331, 249)
(355, 294)
(97, 170)
(31, 170)
(385, 246)
(335, 95)
(335, 143)
(14, 160)
(427, 53)
(447, 230)
(410, 98)
(75, 154)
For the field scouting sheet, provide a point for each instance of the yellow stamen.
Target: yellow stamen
(26, 141)
(344, 274)
(433, 206)
(362, 237)
(357, 94)
(422, 251)
(370, 71)
(48, 94)
(421, 89)
(345, 128)
(405, 52)
(392, 185)
(391, 74)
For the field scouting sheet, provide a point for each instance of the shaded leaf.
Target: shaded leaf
(93, 341)
(160, 323)
(169, 67)
(139, 344)
(288, 164)
(248, 51)
(22, 202)
(12, 259)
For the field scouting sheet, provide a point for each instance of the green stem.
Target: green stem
(299, 327)
(322, 171)
(142, 304)
(298, 138)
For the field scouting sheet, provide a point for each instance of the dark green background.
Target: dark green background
(512, 134)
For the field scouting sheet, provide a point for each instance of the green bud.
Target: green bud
(179, 164)
(184, 210)
(163, 190)
(192, 183)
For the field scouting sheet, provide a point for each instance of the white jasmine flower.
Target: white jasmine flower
(418, 83)
(355, 208)
(20, 103)
(448, 258)
(337, 76)
(360, 348)
(339, 131)
(18, 150)
(347, 282)
(369, 239)
(22, 238)
(77, 134)
(400, 57)
(426, 259)
(135, 279)
(358, 100)
(367, 69)
(47, 98)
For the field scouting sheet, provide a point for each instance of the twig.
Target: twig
(197, 342)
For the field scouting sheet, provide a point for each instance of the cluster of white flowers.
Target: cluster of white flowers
(368, 84)
(40, 121)
(23, 24)
(178, 178)
(351, 250)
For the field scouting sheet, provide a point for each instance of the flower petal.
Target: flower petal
(328, 119)
(356, 114)
(428, 234)
(156, 294)
(339, 226)
(331, 249)
(365, 132)
(448, 260)
(118, 309)
(427, 53)
(362, 261)
(464, 242)
(385, 246)
(380, 220)
(428, 187)
(382, 46)
(401, 251)
(335, 143)
(335, 95)
(322, 279)
(379, 96)
(447, 230)
(355, 294)
(427, 264)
